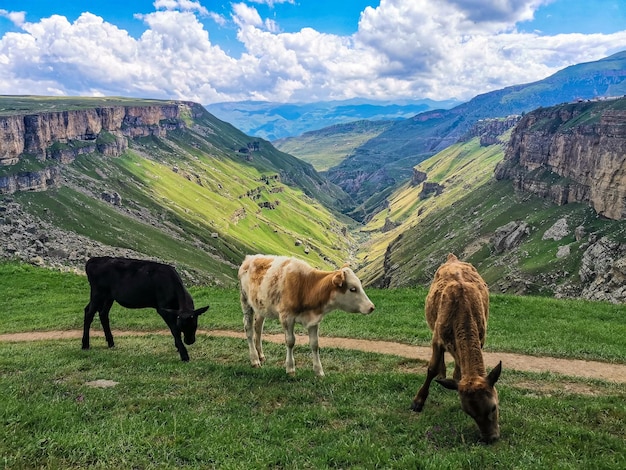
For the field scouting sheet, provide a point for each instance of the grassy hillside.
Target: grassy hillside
(193, 198)
(29, 104)
(329, 146)
(459, 169)
(464, 218)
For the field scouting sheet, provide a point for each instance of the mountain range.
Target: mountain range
(380, 164)
(273, 121)
(170, 181)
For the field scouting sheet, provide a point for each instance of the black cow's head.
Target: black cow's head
(187, 324)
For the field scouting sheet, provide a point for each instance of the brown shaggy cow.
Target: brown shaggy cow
(292, 291)
(457, 309)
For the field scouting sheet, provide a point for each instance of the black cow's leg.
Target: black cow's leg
(104, 320)
(178, 342)
(90, 312)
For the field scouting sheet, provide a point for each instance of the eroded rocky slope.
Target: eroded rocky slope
(572, 153)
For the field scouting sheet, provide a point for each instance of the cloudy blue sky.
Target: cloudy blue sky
(297, 50)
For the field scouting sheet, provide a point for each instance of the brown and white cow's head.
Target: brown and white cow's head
(349, 295)
(479, 399)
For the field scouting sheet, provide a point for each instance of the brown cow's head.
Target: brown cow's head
(187, 323)
(479, 399)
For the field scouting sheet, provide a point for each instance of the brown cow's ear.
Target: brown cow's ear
(450, 384)
(494, 375)
(339, 278)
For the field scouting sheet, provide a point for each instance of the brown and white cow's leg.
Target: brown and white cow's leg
(290, 341)
(258, 333)
(248, 318)
(315, 350)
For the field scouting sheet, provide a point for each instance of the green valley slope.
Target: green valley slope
(202, 197)
(328, 147)
(466, 216)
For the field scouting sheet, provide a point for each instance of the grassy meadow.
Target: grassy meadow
(218, 412)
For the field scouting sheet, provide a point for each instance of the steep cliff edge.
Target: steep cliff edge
(34, 144)
(572, 153)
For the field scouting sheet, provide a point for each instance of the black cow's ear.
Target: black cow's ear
(200, 311)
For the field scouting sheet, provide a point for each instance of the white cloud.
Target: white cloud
(402, 49)
(271, 3)
(243, 15)
(16, 17)
(184, 5)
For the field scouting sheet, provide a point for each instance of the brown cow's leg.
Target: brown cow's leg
(434, 369)
(315, 350)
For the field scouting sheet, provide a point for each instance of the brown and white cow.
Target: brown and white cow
(457, 310)
(294, 292)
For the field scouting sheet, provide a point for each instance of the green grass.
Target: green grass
(328, 147)
(30, 104)
(218, 412)
(37, 299)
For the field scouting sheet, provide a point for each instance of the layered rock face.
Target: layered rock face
(572, 153)
(59, 137)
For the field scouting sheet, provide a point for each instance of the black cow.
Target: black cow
(134, 283)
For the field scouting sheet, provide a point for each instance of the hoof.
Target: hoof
(417, 407)
(256, 365)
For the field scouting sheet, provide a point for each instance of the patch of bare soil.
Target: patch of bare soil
(568, 367)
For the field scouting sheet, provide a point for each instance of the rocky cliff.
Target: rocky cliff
(46, 140)
(574, 152)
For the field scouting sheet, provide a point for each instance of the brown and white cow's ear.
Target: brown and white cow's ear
(339, 278)
(345, 265)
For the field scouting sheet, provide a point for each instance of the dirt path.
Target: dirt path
(569, 367)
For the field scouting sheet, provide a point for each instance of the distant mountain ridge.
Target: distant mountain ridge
(388, 159)
(273, 121)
